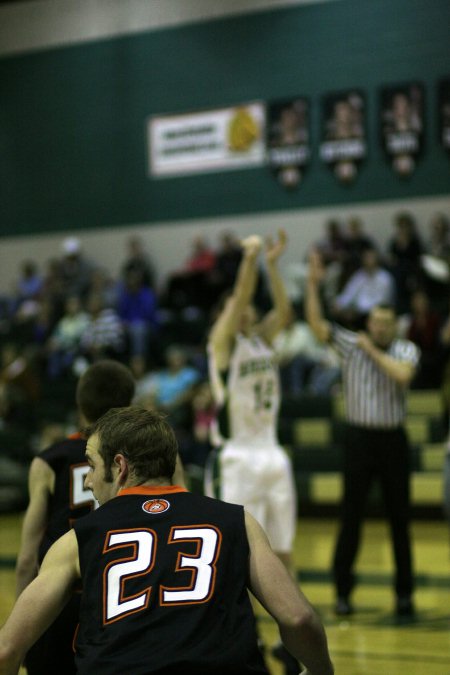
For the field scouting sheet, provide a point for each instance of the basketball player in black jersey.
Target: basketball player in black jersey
(165, 573)
(58, 498)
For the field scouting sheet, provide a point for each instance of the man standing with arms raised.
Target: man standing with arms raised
(377, 368)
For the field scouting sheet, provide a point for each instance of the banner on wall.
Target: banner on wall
(344, 144)
(288, 149)
(444, 113)
(402, 109)
(213, 140)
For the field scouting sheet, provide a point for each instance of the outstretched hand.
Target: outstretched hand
(252, 245)
(275, 248)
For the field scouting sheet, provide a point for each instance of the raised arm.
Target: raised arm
(40, 485)
(279, 315)
(300, 628)
(313, 306)
(40, 603)
(227, 323)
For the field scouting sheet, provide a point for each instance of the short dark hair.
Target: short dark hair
(142, 436)
(105, 384)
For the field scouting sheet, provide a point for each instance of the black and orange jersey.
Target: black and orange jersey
(70, 500)
(164, 576)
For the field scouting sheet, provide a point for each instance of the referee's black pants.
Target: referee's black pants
(374, 454)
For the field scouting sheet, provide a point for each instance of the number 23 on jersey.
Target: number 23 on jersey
(141, 556)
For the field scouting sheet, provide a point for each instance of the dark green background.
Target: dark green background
(73, 119)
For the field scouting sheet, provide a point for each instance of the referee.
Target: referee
(377, 369)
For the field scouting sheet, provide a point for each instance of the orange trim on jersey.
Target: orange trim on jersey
(76, 436)
(151, 490)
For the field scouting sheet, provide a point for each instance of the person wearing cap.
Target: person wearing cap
(76, 269)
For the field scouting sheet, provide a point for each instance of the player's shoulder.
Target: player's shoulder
(213, 506)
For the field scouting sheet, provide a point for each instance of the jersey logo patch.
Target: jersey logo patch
(156, 506)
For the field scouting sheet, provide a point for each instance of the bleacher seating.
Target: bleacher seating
(312, 431)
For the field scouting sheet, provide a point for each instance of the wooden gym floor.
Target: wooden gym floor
(371, 642)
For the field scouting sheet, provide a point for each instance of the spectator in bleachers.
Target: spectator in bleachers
(144, 379)
(64, 342)
(422, 326)
(356, 241)
(104, 336)
(170, 389)
(436, 262)
(19, 387)
(53, 288)
(439, 238)
(104, 285)
(306, 365)
(138, 311)
(25, 302)
(404, 250)
(332, 246)
(227, 260)
(192, 284)
(369, 286)
(29, 284)
(39, 330)
(196, 444)
(202, 258)
(75, 269)
(138, 260)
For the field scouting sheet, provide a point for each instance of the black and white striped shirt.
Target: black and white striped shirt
(373, 399)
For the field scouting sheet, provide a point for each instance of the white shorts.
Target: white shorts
(262, 481)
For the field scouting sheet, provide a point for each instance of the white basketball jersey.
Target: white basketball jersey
(251, 393)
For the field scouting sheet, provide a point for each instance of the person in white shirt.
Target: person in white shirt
(368, 287)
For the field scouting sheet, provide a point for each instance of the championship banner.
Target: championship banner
(288, 149)
(444, 113)
(213, 140)
(402, 125)
(344, 143)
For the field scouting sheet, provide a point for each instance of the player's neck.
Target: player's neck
(151, 482)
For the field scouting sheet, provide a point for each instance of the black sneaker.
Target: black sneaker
(291, 665)
(404, 606)
(343, 607)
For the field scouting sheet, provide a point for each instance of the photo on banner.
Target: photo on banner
(444, 113)
(344, 144)
(402, 125)
(288, 140)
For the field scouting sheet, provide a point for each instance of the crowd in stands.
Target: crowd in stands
(61, 318)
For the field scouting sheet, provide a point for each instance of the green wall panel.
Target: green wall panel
(72, 120)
